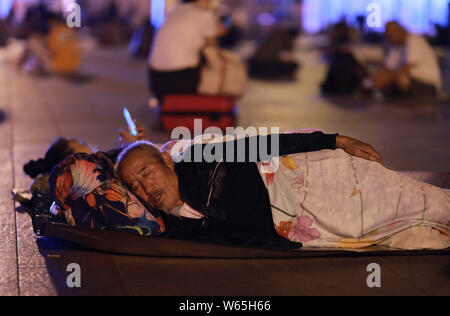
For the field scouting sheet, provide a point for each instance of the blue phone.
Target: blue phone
(130, 122)
(228, 22)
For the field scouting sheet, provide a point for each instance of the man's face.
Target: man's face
(153, 180)
(395, 36)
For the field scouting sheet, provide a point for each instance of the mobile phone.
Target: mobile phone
(130, 122)
(227, 22)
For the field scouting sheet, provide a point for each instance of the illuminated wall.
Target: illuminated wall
(5, 7)
(159, 9)
(417, 15)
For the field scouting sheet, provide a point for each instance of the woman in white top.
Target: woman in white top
(176, 55)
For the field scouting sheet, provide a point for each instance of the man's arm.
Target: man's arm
(359, 149)
(263, 148)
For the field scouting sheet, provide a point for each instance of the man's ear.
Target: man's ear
(168, 160)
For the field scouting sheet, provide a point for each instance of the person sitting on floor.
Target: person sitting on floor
(411, 66)
(35, 58)
(345, 73)
(64, 46)
(274, 60)
(175, 60)
(51, 47)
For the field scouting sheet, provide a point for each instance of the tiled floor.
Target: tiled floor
(413, 136)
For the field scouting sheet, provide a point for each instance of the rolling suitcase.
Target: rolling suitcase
(183, 110)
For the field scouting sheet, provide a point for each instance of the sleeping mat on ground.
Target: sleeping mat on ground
(129, 244)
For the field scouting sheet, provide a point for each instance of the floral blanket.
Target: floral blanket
(331, 199)
(87, 194)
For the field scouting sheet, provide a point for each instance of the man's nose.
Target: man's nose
(149, 188)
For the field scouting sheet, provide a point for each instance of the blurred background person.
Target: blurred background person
(411, 66)
(3, 33)
(35, 58)
(110, 26)
(51, 46)
(141, 40)
(64, 46)
(175, 60)
(235, 22)
(345, 73)
(269, 62)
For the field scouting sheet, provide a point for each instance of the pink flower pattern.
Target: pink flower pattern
(302, 231)
(298, 184)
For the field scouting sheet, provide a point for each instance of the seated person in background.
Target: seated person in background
(35, 59)
(345, 73)
(273, 60)
(52, 47)
(175, 60)
(411, 66)
(64, 47)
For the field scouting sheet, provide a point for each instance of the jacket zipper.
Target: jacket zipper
(212, 183)
(211, 190)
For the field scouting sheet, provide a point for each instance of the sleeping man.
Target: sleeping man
(328, 191)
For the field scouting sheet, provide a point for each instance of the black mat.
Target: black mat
(127, 244)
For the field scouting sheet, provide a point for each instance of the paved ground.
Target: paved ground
(413, 136)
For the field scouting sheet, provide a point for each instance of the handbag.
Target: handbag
(223, 74)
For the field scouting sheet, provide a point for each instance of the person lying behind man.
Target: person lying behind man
(39, 170)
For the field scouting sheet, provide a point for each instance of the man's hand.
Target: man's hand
(358, 149)
(125, 137)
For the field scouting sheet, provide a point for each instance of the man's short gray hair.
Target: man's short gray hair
(149, 148)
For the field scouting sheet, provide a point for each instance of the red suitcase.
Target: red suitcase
(182, 110)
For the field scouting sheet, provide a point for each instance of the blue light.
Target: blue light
(335, 10)
(439, 12)
(417, 15)
(312, 16)
(158, 12)
(266, 19)
(5, 7)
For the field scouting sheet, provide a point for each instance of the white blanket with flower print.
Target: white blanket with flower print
(332, 199)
